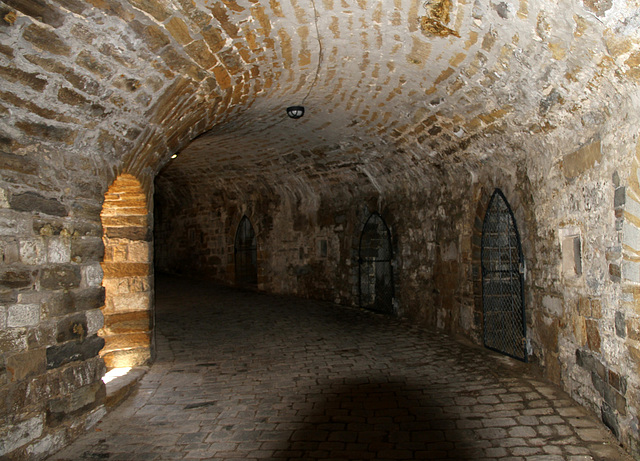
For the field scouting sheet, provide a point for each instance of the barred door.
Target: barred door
(246, 254)
(503, 280)
(374, 264)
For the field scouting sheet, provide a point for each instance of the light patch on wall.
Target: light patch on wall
(436, 19)
(571, 247)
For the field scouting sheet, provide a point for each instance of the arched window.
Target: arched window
(246, 254)
(374, 263)
(503, 280)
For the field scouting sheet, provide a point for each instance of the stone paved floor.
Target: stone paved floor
(248, 376)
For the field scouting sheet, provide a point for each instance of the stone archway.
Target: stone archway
(128, 275)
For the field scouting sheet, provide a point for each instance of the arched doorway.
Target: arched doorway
(375, 272)
(503, 280)
(246, 254)
(128, 275)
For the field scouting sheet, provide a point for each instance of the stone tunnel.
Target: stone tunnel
(452, 154)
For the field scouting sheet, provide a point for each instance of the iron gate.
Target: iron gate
(503, 280)
(375, 273)
(246, 254)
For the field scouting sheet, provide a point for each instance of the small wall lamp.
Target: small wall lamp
(295, 111)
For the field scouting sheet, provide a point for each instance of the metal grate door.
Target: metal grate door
(374, 266)
(246, 254)
(503, 280)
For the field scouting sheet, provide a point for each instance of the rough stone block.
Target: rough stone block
(593, 335)
(32, 251)
(609, 419)
(19, 434)
(33, 202)
(621, 330)
(619, 197)
(60, 277)
(46, 40)
(71, 328)
(95, 321)
(23, 315)
(59, 250)
(17, 163)
(87, 249)
(88, 298)
(26, 364)
(72, 351)
(552, 305)
(38, 10)
(92, 275)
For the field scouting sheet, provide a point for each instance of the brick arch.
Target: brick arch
(128, 275)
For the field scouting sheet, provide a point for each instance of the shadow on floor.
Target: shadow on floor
(379, 420)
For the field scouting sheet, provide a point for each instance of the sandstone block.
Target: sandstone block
(23, 315)
(26, 364)
(38, 10)
(47, 132)
(89, 62)
(29, 79)
(60, 277)
(127, 358)
(19, 434)
(119, 270)
(154, 8)
(131, 233)
(129, 302)
(72, 351)
(130, 322)
(179, 30)
(126, 341)
(31, 201)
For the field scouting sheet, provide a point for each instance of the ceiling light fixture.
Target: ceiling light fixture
(295, 111)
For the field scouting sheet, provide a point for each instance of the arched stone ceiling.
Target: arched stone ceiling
(394, 89)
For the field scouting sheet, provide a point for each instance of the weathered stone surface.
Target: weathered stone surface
(31, 201)
(582, 160)
(17, 163)
(21, 433)
(26, 364)
(14, 278)
(23, 315)
(46, 40)
(71, 328)
(73, 351)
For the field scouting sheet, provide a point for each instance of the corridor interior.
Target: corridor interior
(430, 203)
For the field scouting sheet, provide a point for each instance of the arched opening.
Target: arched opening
(128, 275)
(503, 280)
(375, 272)
(246, 254)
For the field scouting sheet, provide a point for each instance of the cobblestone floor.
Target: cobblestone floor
(249, 376)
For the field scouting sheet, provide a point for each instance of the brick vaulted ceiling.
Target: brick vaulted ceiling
(394, 89)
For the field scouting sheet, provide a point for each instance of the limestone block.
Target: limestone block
(92, 275)
(14, 224)
(95, 416)
(32, 251)
(47, 445)
(95, 321)
(9, 250)
(4, 201)
(16, 435)
(23, 315)
(59, 250)
(552, 305)
(3, 317)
